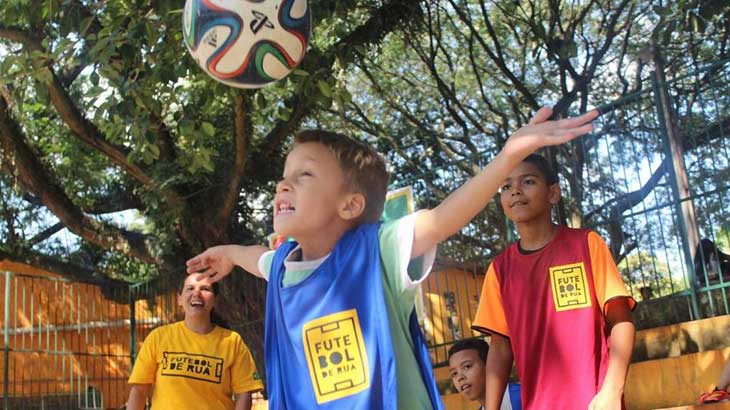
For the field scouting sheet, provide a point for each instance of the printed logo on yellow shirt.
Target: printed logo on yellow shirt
(338, 363)
(570, 287)
(193, 366)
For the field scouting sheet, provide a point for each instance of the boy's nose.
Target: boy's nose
(283, 186)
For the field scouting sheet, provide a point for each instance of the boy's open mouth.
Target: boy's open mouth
(518, 203)
(284, 208)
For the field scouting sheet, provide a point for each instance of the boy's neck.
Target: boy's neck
(321, 244)
(536, 234)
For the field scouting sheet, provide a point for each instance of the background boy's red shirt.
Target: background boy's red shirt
(551, 304)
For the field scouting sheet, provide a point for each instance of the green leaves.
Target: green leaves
(689, 16)
(324, 88)
(208, 129)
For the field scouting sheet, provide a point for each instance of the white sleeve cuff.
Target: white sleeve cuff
(405, 234)
(266, 257)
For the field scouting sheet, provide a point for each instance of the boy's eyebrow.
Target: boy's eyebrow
(529, 174)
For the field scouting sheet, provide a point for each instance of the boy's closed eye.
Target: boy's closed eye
(298, 175)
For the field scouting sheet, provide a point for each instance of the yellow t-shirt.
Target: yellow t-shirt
(194, 371)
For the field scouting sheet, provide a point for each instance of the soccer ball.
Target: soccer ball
(247, 43)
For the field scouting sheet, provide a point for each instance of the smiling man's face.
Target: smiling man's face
(197, 296)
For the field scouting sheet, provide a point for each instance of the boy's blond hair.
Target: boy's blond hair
(363, 167)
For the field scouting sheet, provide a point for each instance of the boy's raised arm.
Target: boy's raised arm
(218, 261)
(435, 225)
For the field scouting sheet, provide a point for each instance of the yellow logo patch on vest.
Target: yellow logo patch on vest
(192, 366)
(335, 351)
(570, 286)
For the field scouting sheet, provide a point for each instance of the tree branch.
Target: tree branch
(500, 62)
(33, 177)
(242, 129)
(617, 206)
(81, 127)
(45, 234)
(390, 16)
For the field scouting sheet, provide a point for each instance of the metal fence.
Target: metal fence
(63, 344)
(655, 186)
(69, 345)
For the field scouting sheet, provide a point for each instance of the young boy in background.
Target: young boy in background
(340, 326)
(467, 364)
(555, 303)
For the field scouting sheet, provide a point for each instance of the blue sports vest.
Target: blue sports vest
(327, 338)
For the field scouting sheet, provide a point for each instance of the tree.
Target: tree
(445, 94)
(102, 112)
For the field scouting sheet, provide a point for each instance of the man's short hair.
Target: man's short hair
(542, 165)
(363, 167)
(471, 344)
(215, 286)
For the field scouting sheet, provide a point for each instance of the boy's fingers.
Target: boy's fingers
(541, 115)
(585, 129)
(566, 135)
(196, 268)
(215, 276)
(199, 265)
(193, 267)
(196, 261)
(579, 120)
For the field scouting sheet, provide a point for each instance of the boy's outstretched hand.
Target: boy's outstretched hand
(462, 205)
(540, 132)
(215, 262)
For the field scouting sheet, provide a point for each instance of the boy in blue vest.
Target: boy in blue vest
(340, 326)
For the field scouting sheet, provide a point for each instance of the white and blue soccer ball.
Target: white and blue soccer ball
(247, 43)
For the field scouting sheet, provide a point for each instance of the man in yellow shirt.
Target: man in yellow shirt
(194, 364)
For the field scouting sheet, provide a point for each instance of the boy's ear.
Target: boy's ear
(352, 207)
(554, 193)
